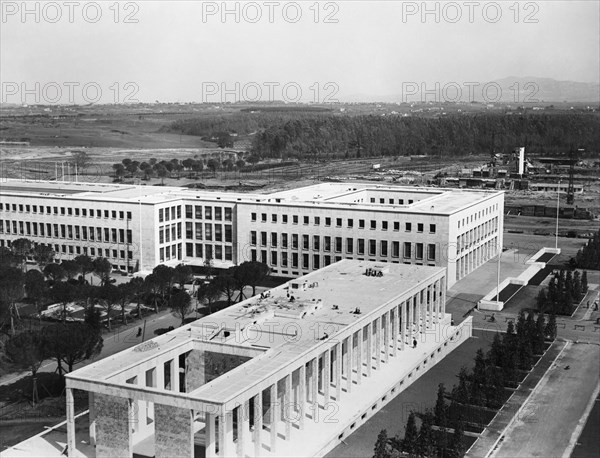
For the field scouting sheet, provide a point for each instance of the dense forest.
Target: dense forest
(308, 135)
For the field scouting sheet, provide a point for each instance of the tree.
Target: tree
(409, 443)
(64, 293)
(81, 160)
(35, 287)
(207, 292)
(381, 446)
(125, 295)
(109, 295)
(8, 258)
(119, 171)
(151, 286)
(496, 354)
(181, 305)
(457, 441)
(164, 276)
(73, 343)
(440, 410)
(550, 330)
(11, 290)
(54, 272)
(460, 392)
(102, 269)
(226, 284)
(425, 441)
(542, 300)
(213, 165)
(182, 275)
(27, 350)
(540, 326)
(86, 265)
(71, 268)
(584, 282)
(43, 254)
(137, 287)
(251, 273)
(162, 173)
(22, 248)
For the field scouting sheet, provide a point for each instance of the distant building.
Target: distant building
(291, 372)
(294, 232)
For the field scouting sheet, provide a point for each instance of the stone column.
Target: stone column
(394, 320)
(443, 298)
(71, 439)
(258, 423)
(421, 309)
(315, 387)
(338, 372)
(224, 442)
(403, 325)
(386, 336)
(409, 324)
(288, 407)
(359, 355)
(326, 375)
(369, 348)
(243, 427)
(377, 323)
(349, 367)
(209, 432)
(92, 418)
(274, 417)
(302, 396)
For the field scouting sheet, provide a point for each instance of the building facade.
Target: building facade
(288, 373)
(295, 232)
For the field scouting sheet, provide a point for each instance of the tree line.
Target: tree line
(588, 257)
(565, 290)
(441, 430)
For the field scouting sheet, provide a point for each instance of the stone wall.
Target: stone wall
(113, 427)
(174, 435)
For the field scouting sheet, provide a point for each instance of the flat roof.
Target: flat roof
(334, 195)
(324, 303)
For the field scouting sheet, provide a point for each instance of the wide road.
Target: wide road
(556, 409)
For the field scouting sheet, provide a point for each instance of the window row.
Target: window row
(86, 250)
(207, 251)
(170, 252)
(169, 233)
(210, 212)
(65, 211)
(477, 215)
(347, 222)
(346, 245)
(169, 213)
(66, 231)
(475, 235)
(209, 232)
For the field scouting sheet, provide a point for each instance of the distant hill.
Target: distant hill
(513, 89)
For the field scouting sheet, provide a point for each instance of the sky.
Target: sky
(195, 51)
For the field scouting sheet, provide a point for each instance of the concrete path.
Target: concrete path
(515, 410)
(556, 411)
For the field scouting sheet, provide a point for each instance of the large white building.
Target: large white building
(294, 232)
(290, 373)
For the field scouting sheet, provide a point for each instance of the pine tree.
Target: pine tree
(440, 410)
(425, 442)
(381, 446)
(496, 352)
(542, 300)
(460, 392)
(540, 326)
(577, 288)
(409, 442)
(584, 282)
(550, 330)
(457, 443)
(478, 379)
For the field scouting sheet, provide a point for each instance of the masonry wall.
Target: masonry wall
(174, 434)
(113, 436)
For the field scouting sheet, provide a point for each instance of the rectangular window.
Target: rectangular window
(218, 213)
(305, 261)
(373, 224)
(338, 222)
(273, 218)
(395, 249)
(432, 228)
(284, 259)
(408, 227)
(316, 242)
(253, 216)
(263, 217)
(198, 231)
(189, 212)
(419, 251)
(273, 258)
(316, 261)
(294, 260)
(396, 225)
(218, 233)
(295, 219)
(372, 247)
(338, 244)
(228, 233)
(361, 223)
(327, 221)
(294, 241)
(431, 252)
(305, 242)
(317, 220)
(305, 220)
(189, 230)
(207, 212)
(284, 219)
(407, 250)
(198, 247)
(349, 245)
(350, 222)
(263, 239)
(208, 232)
(326, 243)
(284, 240)
(253, 238)
(274, 239)
(228, 253)
(228, 217)
(160, 215)
(361, 246)
(384, 248)
(218, 252)
(419, 227)
(384, 225)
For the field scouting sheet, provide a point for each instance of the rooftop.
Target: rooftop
(276, 327)
(335, 195)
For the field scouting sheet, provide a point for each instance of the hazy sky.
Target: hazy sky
(187, 51)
